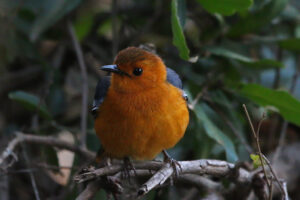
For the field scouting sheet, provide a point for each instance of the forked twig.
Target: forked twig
(256, 137)
(263, 158)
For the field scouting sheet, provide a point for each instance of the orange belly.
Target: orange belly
(141, 125)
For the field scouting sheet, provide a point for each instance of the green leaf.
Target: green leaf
(258, 19)
(292, 44)
(83, 26)
(287, 105)
(216, 134)
(259, 64)
(30, 102)
(221, 51)
(178, 37)
(51, 12)
(256, 160)
(225, 7)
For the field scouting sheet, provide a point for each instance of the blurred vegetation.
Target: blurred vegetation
(228, 53)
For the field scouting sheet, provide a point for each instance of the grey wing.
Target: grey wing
(174, 79)
(100, 93)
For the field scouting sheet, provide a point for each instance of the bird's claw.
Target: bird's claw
(128, 166)
(174, 163)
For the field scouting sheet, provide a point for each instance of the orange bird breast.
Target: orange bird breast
(142, 124)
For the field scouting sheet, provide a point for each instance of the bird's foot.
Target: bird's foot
(112, 186)
(173, 163)
(101, 160)
(128, 166)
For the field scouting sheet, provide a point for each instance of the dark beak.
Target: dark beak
(113, 69)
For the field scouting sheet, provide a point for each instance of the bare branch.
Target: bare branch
(44, 140)
(191, 172)
(256, 136)
(212, 167)
(275, 176)
(157, 179)
(32, 179)
(263, 159)
(90, 190)
(197, 98)
(200, 182)
(286, 195)
(9, 149)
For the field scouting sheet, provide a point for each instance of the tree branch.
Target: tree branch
(157, 179)
(90, 190)
(191, 172)
(45, 140)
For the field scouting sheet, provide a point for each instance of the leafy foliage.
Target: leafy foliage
(238, 52)
(177, 24)
(255, 20)
(226, 7)
(256, 160)
(30, 102)
(50, 11)
(287, 105)
(216, 134)
(259, 64)
(292, 44)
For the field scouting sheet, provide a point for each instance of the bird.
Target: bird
(141, 109)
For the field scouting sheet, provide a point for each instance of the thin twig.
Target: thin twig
(197, 98)
(84, 106)
(286, 195)
(271, 190)
(9, 150)
(274, 174)
(256, 136)
(43, 140)
(249, 120)
(32, 179)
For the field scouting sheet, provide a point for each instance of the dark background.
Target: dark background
(228, 54)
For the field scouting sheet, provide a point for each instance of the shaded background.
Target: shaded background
(227, 53)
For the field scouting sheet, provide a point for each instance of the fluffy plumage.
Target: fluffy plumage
(139, 116)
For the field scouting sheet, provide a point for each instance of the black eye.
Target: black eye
(137, 71)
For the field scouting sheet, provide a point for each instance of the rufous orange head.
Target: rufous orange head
(135, 70)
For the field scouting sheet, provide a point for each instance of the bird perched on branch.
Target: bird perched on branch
(140, 110)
